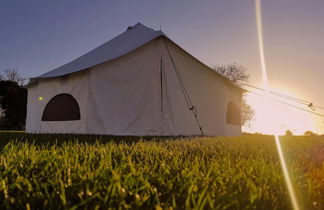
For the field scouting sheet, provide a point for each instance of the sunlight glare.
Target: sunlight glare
(273, 117)
(286, 175)
(261, 48)
(266, 87)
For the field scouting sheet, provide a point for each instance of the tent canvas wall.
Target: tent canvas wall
(139, 83)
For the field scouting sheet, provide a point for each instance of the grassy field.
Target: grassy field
(93, 172)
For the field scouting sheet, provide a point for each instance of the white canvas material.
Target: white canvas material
(136, 91)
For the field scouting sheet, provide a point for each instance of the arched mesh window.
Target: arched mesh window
(62, 107)
(233, 115)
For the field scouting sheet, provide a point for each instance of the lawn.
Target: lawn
(95, 172)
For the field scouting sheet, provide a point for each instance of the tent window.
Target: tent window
(62, 107)
(233, 115)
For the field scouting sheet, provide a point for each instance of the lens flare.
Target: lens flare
(291, 191)
(261, 48)
(286, 174)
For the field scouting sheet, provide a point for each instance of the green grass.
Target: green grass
(93, 172)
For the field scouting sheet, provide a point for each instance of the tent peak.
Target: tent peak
(138, 26)
(134, 37)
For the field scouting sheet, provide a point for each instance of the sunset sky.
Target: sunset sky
(37, 36)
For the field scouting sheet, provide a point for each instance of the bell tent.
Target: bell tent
(140, 83)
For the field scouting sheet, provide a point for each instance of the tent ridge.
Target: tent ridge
(124, 43)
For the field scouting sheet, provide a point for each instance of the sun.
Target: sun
(273, 117)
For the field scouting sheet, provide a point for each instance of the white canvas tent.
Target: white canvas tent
(139, 83)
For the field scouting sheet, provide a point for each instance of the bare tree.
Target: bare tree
(13, 75)
(237, 74)
(233, 71)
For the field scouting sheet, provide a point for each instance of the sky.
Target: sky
(37, 36)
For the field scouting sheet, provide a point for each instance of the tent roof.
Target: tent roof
(129, 40)
(134, 37)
